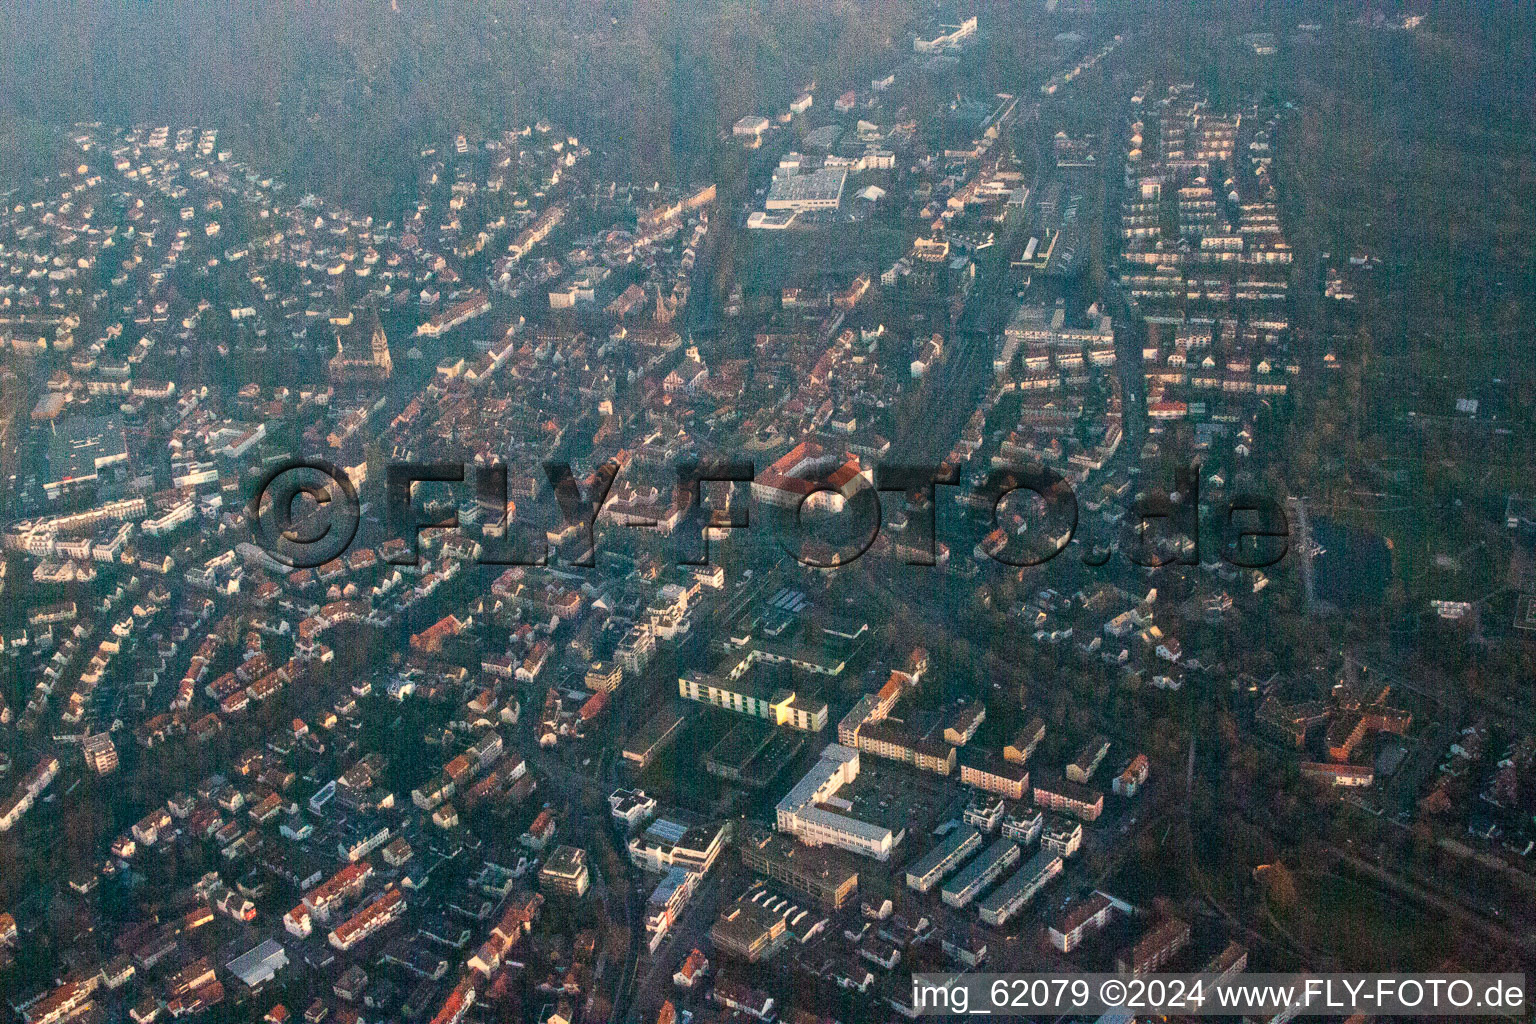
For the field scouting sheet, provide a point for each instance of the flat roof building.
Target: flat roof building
(659, 732)
(819, 190)
(980, 873)
(946, 37)
(1023, 824)
(100, 753)
(738, 691)
(761, 922)
(631, 806)
(566, 871)
(819, 873)
(1005, 901)
(81, 447)
(260, 965)
(751, 125)
(801, 813)
(666, 843)
(1062, 836)
(929, 869)
(752, 753)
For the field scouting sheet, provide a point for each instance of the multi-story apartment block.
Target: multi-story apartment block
(984, 810)
(779, 706)
(1024, 742)
(566, 871)
(1005, 778)
(1062, 836)
(1087, 760)
(1006, 900)
(100, 753)
(1023, 825)
(1083, 917)
(929, 869)
(1069, 797)
(980, 873)
(1155, 948)
(604, 676)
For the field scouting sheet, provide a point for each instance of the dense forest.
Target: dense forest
(341, 95)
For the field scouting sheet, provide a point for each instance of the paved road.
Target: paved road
(653, 977)
(589, 830)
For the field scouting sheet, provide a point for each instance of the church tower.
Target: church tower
(353, 364)
(378, 345)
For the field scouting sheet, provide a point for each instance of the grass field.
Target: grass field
(1363, 928)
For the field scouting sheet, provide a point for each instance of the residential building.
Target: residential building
(1087, 760)
(1232, 960)
(980, 873)
(1070, 798)
(1008, 779)
(888, 740)
(695, 966)
(1129, 781)
(666, 903)
(1062, 836)
(929, 869)
(751, 126)
(1024, 742)
(779, 706)
(343, 885)
(1020, 887)
(604, 676)
(374, 916)
(100, 754)
(1155, 949)
(964, 723)
(565, 871)
(1023, 825)
(984, 810)
(1083, 917)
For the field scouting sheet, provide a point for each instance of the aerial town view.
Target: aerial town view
(652, 511)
